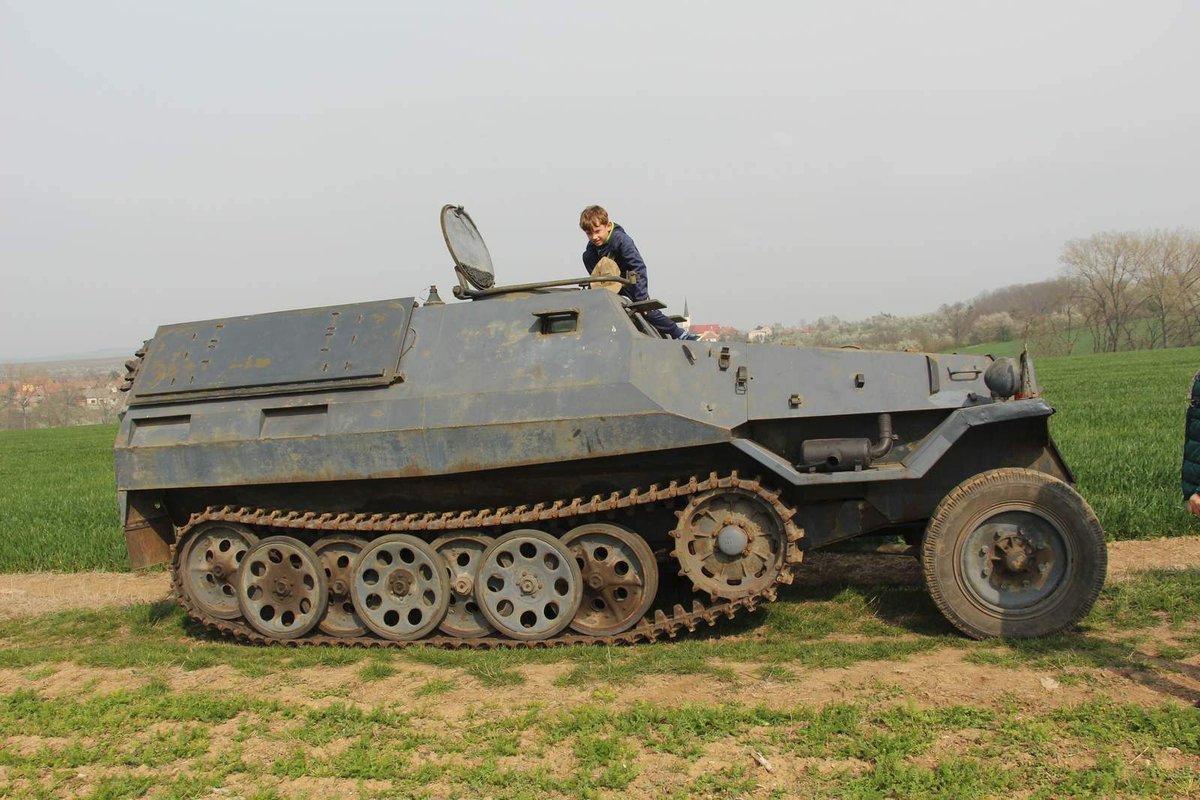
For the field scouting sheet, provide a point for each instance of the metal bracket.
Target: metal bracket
(741, 377)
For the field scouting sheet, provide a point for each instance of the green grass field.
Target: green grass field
(58, 502)
(1119, 425)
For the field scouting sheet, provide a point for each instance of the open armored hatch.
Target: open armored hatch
(473, 262)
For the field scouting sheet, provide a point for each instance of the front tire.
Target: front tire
(1013, 553)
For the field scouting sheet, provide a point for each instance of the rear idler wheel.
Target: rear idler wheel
(337, 555)
(281, 588)
(208, 567)
(463, 553)
(529, 586)
(399, 587)
(620, 577)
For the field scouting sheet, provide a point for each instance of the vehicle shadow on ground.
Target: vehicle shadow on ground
(160, 610)
(892, 589)
(1082, 648)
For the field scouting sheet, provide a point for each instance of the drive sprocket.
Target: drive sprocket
(731, 543)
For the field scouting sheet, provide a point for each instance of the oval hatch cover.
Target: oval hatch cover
(470, 254)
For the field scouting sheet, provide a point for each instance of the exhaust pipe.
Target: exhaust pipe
(836, 455)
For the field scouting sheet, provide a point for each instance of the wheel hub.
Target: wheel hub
(400, 582)
(733, 540)
(1015, 559)
(281, 588)
(529, 584)
(1011, 562)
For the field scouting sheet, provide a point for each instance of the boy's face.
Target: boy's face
(598, 233)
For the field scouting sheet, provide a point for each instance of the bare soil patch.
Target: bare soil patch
(31, 594)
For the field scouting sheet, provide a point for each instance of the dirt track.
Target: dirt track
(28, 594)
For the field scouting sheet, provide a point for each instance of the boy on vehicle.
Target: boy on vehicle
(607, 239)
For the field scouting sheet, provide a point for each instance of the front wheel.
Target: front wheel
(1013, 553)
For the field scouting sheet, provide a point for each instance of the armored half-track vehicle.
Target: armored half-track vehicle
(534, 465)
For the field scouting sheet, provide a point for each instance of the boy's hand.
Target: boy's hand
(1193, 504)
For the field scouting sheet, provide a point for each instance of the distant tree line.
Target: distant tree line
(1115, 291)
(1137, 290)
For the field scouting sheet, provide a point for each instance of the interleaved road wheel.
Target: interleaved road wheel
(208, 567)
(528, 585)
(281, 588)
(1013, 553)
(399, 587)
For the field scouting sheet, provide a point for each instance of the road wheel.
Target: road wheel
(1013, 553)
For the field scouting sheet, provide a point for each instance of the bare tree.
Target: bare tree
(1158, 279)
(61, 407)
(956, 320)
(1187, 284)
(1108, 266)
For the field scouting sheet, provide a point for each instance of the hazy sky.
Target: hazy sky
(167, 161)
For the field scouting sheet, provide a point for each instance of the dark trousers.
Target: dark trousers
(639, 292)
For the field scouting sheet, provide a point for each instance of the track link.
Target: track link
(653, 627)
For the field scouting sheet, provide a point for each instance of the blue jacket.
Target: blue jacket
(621, 249)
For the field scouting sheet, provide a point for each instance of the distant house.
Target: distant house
(101, 397)
(760, 334)
(713, 332)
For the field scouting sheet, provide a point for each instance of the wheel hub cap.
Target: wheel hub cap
(1014, 564)
(400, 582)
(732, 540)
(282, 588)
(529, 584)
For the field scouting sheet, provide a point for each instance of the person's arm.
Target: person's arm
(635, 267)
(1190, 446)
(629, 255)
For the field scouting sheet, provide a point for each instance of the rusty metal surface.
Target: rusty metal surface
(146, 548)
(659, 624)
(149, 533)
